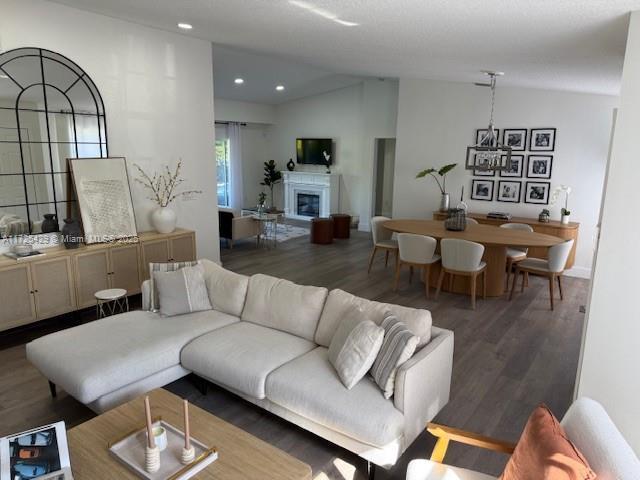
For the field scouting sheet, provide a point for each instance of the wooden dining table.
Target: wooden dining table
(495, 240)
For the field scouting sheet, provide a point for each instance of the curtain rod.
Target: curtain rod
(242, 124)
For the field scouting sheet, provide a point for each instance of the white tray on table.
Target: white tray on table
(130, 451)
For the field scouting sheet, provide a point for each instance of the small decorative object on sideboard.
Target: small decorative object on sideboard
(71, 233)
(457, 220)
(327, 161)
(291, 166)
(442, 172)
(163, 192)
(50, 223)
(544, 216)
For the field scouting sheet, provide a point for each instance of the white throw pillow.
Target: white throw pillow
(398, 346)
(354, 347)
(182, 291)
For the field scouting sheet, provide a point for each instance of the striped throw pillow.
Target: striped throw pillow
(162, 267)
(182, 291)
(398, 346)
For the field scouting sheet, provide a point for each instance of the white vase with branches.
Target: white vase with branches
(163, 188)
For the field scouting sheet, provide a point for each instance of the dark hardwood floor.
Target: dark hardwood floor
(509, 357)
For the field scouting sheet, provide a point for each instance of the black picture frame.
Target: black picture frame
(484, 198)
(533, 166)
(519, 146)
(535, 140)
(481, 132)
(528, 193)
(515, 159)
(509, 199)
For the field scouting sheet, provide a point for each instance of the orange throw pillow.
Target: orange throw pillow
(545, 453)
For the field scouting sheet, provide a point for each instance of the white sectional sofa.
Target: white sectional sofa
(265, 340)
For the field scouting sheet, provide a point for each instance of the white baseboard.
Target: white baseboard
(579, 272)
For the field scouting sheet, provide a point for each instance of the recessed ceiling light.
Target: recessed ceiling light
(280, 88)
(185, 26)
(238, 81)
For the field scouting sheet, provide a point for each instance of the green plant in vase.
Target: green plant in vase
(272, 177)
(442, 182)
(262, 197)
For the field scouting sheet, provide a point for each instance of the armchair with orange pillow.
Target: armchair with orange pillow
(586, 445)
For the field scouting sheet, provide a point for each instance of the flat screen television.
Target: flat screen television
(311, 151)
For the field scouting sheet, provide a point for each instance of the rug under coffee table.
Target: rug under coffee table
(241, 455)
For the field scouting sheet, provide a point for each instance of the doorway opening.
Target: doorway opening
(384, 164)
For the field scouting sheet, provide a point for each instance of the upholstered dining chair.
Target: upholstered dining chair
(515, 254)
(416, 251)
(552, 268)
(382, 241)
(472, 221)
(463, 258)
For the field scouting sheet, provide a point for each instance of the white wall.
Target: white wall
(353, 116)
(158, 93)
(250, 112)
(610, 355)
(437, 120)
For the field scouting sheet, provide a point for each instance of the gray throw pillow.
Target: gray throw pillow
(398, 346)
(354, 347)
(162, 267)
(182, 291)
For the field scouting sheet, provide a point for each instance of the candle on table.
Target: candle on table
(187, 435)
(147, 411)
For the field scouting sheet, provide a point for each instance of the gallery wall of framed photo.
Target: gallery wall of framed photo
(528, 179)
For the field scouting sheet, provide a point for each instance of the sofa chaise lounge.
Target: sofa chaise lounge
(265, 340)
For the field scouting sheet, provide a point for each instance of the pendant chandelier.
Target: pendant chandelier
(489, 154)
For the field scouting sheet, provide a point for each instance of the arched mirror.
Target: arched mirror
(50, 111)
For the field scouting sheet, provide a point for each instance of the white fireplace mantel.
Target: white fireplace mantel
(325, 185)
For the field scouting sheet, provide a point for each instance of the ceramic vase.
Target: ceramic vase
(50, 223)
(290, 165)
(71, 233)
(565, 219)
(163, 220)
(444, 202)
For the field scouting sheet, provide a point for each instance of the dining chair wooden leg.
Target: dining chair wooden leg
(484, 284)
(474, 277)
(427, 273)
(397, 279)
(551, 290)
(515, 279)
(509, 268)
(397, 256)
(450, 281)
(386, 258)
(440, 279)
(524, 280)
(410, 273)
(560, 286)
(373, 254)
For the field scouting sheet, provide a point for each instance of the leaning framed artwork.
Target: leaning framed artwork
(482, 189)
(509, 191)
(537, 192)
(104, 197)
(542, 140)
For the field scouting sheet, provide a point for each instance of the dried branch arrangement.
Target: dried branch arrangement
(163, 186)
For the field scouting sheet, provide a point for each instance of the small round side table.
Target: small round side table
(111, 301)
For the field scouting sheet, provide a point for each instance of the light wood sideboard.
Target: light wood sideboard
(553, 227)
(64, 280)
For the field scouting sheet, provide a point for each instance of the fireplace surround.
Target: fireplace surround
(308, 195)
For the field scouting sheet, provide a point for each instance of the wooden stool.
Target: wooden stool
(111, 301)
(341, 225)
(321, 231)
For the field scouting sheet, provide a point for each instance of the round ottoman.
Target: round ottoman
(341, 225)
(321, 231)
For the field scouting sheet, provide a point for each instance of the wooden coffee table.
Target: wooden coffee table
(241, 455)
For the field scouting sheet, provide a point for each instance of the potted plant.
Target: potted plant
(163, 191)
(262, 197)
(272, 176)
(442, 185)
(565, 213)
